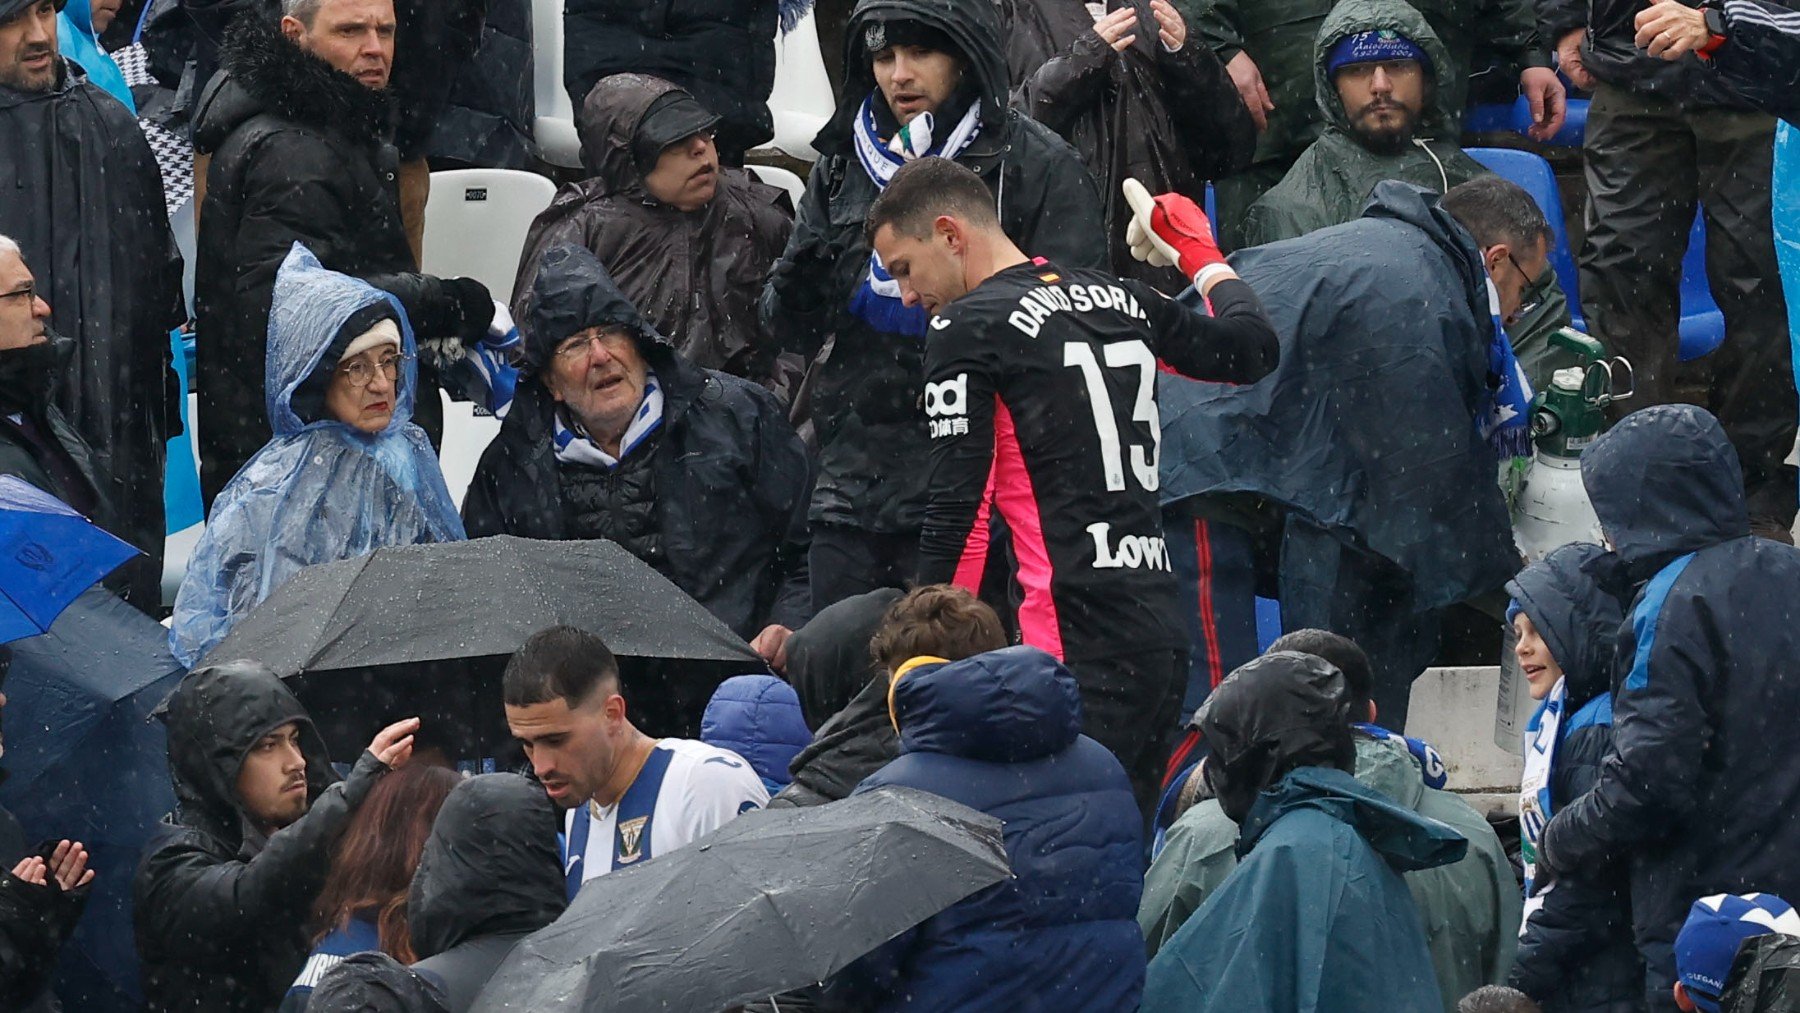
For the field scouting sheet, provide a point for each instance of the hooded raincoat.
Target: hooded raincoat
(695, 275)
(81, 193)
(1001, 732)
(1316, 916)
(1575, 950)
(1387, 474)
(321, 490)
(1699, 788)
(220, 908)
(1332, 179)
(1170, 120)
(714, 500)
(489, 876)
(1468, 909)
(77, 40)
(867, 390)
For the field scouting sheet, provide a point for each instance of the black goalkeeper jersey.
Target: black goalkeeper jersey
(1040, 395)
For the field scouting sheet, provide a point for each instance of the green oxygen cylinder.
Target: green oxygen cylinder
(1552, 507)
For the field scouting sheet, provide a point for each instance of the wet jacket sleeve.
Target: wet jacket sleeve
(1236, 344)
(1509, 30)
(1207, 110)
(1647, 784)
(959, 405)
(783, 492)
(796, 304)
(1065, 86)
(1760, 59)
(35, 921)
(1217, 24)
(1557, 18)
(186, 892)
(290, 196)
(1196, 857)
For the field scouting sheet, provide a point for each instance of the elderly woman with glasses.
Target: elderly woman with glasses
(346, 473)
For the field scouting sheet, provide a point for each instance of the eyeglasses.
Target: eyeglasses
(574, 349)
(1532, 296)
(360, 373)
(28, 293)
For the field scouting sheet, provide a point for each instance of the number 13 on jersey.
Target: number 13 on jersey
(1133, 354)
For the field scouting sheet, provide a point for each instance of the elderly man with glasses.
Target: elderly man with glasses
(614, 434)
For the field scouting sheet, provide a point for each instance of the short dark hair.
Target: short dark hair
(561, 662)
(1497, 211)
(925, 188)
(1344, 654)
(1497, 999)
(940, 620)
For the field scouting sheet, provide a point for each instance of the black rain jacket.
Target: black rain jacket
(1700, 788)
(868, 387)
(727, 476)
(220, 910)
(1165, 119)
(81, 194)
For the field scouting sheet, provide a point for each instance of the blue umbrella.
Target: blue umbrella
(48, 555)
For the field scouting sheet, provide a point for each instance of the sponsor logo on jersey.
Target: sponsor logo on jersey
(947, 406)
(1040, 304)
(939, 323)
(1129, 552)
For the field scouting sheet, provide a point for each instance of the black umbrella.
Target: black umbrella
(774, 900)
(429, 627)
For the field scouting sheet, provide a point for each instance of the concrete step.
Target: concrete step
(1457, 711)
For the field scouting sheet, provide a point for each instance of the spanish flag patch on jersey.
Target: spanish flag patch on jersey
(1050, 277)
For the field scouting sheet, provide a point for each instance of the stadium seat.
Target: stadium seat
(1702, 324)
(475, 224)
(555, 128)
(1574, 126)
(801, 100)
(1535, 175)
(775, 175)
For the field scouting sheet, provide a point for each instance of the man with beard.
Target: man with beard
(1376, 70)
(85, 205)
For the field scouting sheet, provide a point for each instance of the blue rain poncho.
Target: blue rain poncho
(320, 490)
(77, 40)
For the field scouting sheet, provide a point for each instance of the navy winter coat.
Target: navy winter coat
(1001, 732)
(1701, 788)
(1575, 952)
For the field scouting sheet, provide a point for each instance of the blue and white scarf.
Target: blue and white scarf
(1505, 421)
(1542, 735)
(877, 300)
(574, 447)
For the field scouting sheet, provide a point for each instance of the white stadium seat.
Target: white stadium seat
(475, 224)
(802, 100)
(775, 175)
(555, 128)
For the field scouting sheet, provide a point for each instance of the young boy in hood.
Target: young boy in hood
(222, 899)
(1575, 951)
(1315, 917)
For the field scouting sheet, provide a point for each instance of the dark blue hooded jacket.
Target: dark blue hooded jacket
(757, 717)
(1701, 788)
(1001, 732)
(1575, 952)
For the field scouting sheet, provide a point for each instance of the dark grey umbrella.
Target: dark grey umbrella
(774, 900)
(430, 627)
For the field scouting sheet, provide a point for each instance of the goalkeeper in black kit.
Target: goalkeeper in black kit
(1041, 399)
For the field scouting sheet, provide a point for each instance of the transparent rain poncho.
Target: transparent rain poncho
(320, 490)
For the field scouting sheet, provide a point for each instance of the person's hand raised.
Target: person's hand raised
(68, 863)
(1116, 28)
(31, 870)
(393, 745)
(1170, 26)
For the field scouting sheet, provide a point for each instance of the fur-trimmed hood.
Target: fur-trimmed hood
(263, 72)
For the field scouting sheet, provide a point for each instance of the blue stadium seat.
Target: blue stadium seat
(1535, 175)
(1702, 324)
(1574, 126)
(181, 475)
